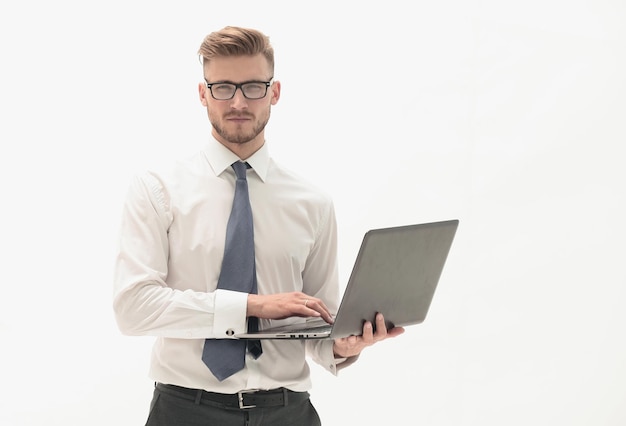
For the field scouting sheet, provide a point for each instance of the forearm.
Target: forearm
(154, 310)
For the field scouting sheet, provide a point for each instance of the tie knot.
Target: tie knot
(240, 169)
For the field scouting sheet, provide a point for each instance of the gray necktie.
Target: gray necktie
(225, 357)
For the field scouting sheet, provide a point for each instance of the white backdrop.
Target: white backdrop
(509, 116)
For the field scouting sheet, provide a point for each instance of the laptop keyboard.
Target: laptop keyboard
(314, 329)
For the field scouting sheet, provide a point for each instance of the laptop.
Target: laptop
(395, 273)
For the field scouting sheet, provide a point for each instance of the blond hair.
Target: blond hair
(236, 41)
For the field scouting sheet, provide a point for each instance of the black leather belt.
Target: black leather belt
(241, 400)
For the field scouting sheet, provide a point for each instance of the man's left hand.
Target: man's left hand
(353, 345)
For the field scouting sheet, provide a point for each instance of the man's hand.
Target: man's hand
(353, 345)
(285, 305)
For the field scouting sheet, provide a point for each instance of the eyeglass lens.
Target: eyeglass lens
(252, 90)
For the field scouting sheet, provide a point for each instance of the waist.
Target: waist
(243, 400)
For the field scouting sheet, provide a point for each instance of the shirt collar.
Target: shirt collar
(220, 158)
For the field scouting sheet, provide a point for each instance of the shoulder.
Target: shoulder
(165, 180)
(178, 171)
(296, 185)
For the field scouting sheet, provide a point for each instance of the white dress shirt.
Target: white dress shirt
(171, 247)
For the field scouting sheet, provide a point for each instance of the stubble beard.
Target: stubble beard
(239, 136)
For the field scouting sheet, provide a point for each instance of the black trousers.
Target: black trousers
(172, 408)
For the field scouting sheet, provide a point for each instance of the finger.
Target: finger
(396, 331)
(368, 333)
(348, 346)
(326, 312)
(381, 328)
(317, 307)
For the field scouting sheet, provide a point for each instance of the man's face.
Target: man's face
(239, 120)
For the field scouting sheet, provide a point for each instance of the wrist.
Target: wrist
(336, 353)
(253, 307)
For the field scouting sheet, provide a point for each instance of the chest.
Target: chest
(286, 222)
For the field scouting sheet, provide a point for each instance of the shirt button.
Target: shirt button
(230, 332)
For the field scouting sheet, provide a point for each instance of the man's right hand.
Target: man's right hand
(285, 305)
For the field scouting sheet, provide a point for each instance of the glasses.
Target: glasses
(250, 89)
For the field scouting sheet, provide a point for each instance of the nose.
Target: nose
(238, 101)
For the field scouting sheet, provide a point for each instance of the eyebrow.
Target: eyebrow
(232, 82)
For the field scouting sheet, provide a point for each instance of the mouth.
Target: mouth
(238, 118)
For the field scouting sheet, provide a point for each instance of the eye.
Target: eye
(255, 86)
(223, 87)
(254, 89)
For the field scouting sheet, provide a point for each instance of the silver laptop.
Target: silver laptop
(395, 273)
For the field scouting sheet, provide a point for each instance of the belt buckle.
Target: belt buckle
(240, 395)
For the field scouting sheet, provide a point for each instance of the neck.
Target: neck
(243, 150)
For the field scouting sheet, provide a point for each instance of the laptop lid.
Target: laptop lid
(395, 272)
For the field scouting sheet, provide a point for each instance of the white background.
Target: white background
(509, 116)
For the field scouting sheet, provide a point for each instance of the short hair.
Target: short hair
(236, 41)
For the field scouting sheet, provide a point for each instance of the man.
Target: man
(172, 250)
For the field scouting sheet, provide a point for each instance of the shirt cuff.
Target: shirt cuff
(341, 363)
(328, 360)
(230, 313)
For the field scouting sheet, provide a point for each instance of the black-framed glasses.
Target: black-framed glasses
(250, 89)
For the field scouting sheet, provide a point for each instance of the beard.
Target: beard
(239, 135)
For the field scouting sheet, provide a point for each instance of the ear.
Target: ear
(202, 91)
(275, 88)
